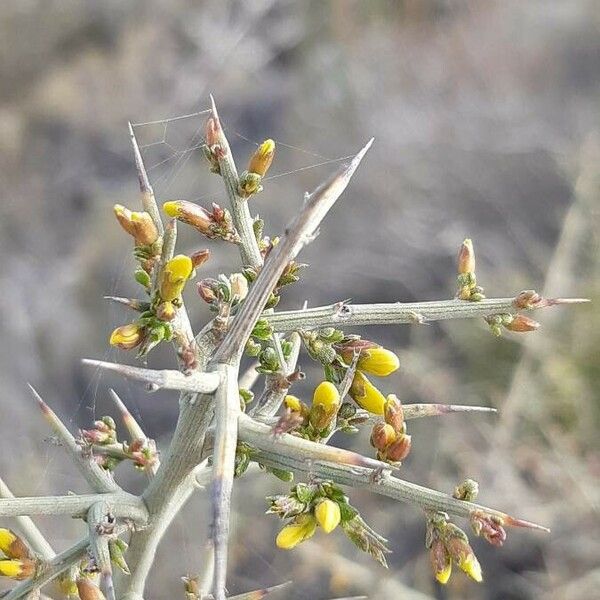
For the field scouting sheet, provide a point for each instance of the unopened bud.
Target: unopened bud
(521, 324)
(262, 158)
(174, 277)
(211, 132)
(18, 569)
(441, 563)
(467, 490)
(191, 214)
(12, 545)
(399, 449)
(191, 587)
(208, 289)
(466, 258)
(378, 361)
(199, 258)
(127, 336)
(382, 436)
(366, 395)
(326, 402)
(461, 553)
(88, 590)
(239, 286)
(393, 413)
(137, 224)
(328, 515)
(166, 311)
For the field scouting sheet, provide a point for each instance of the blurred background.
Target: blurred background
(486, 118)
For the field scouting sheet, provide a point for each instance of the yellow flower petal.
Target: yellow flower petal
(328, 515)
(378, 361)
(7, 537)
(444, 575)
(175, 274)
(327, 396)
(295, 533)
(470, 565)
(293, 403)
(366, 395)
(263, 157)
(126, 336)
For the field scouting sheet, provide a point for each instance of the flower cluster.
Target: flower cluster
(389, 436)
(18, 562)
(323, 505)
(108, 452)
(448, 545)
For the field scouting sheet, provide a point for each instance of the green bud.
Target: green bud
(142, 278)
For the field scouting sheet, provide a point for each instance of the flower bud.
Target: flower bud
(382, 436)
(328, 515)
(398, 450)
(261, 159)
(239, 286)
(394, 414)
(467, 490)
(326, 402)
(87, 590)
(527, 299)
(462, 554)
(208, 289)
(378, 361)
(366, 395)
(12, 545)
(441, 563)
(466, 258)
(174, 276)
(300, 529)
(191, 214)
(18, 569)
(199, 257)
(521, 324)
(166, 311)
(137, 224)
(293, 403)
(191, 587)
(211, 132)
(327, 396)
(127, 336)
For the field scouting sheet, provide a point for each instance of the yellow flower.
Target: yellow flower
(378, 361)
(327, 396)
(293, 403)
(263, 157)
(174, 276)
(302, 528)
(17, 569)
(126, 336)
(328, 515)
(366, 395)
(470, 565)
